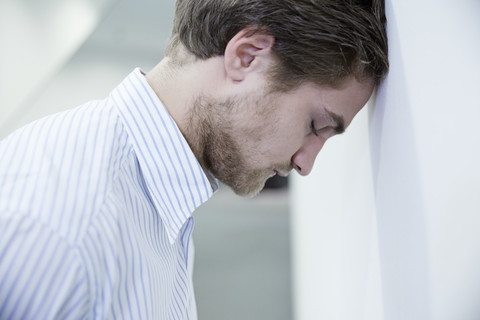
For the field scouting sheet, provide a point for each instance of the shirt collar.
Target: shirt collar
(176, 182)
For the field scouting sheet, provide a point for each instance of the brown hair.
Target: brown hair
(323, 41)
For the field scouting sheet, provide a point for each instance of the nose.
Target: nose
(304, 158)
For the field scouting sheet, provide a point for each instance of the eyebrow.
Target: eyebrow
(339, 122)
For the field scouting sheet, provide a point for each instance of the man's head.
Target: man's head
(272, 80)
(319, 41)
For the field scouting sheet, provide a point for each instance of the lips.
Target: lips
(281, 174)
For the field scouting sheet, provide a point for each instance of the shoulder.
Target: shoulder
(59, 169)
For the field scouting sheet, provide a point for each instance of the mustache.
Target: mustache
(284, 167)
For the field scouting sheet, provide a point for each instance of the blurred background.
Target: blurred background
(57, 54)
(387, 225)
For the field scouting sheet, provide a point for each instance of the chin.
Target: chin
(248, 190)
(249, 194)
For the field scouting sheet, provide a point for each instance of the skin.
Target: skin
(237, 128)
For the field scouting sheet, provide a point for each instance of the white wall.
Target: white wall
(388, 224)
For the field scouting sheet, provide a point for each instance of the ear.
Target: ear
(246, 52)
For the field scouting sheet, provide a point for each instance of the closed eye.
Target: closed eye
(312, 128)
(325, 131)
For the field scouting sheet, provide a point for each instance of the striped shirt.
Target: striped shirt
(96, 212)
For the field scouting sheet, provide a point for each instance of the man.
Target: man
(96, 202)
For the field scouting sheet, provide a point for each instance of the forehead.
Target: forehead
(345, 100)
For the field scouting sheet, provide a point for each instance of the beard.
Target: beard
(221, 143)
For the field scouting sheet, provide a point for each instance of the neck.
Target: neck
(178, 87)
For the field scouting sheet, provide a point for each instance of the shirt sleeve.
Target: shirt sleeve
(41, 275)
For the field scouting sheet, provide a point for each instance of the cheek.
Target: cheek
(274, 136)
(281, 147)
